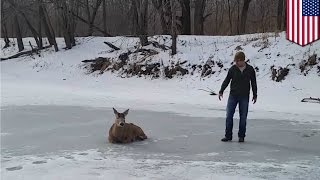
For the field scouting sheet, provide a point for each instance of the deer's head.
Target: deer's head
(120, 117)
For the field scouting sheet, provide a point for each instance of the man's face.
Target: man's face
(239, 63)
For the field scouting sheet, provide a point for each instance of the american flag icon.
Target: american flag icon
(303, 21)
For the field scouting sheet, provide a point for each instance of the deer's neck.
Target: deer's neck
(118, 130)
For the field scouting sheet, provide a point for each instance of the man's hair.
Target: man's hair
(240, 55)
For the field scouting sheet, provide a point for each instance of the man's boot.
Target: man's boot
(241, 139)
(225, 139)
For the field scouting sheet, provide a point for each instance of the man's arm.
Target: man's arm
(254, 83)
(226, 81)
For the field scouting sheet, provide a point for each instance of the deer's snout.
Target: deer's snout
(121, 124)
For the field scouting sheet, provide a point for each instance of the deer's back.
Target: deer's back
(129, 132)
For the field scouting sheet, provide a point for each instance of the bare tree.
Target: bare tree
(261, 23)
(4, 27)
(185, 16)
(230, 16)
(46, 24)
(199, 16)
(104, 11)
(221, 28)
(18, 33)
(244, 14)
(64, 22)
(216, 17)
(27, 21)
(164, 9)
(173, 27)
(238, 17)
(5, 35)
(92, 15)
(280, 14)
(40, 29)
(140, 8)
(67, 21)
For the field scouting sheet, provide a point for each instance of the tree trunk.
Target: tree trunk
(221, 20)
(65, 25)
(244, 15)
(134, 18)
(85, 21)
(143, 40)
(5, 35)
(141, 8)
(173, 28)
(104, 14)
(238, 17)
(40, 31)
(263, 15)
(166, 17)
(164, 9)
(45, 23)
(67, 20)
(199, 16)
(93, 17)
(75, 7)
(280, 16)
(186, 19)
(18, 33)
(88, 11)
(32, 29)
(230, 17)
(4, 27)
(49, 29)
(216, 17)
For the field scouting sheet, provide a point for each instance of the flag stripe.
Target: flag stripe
(290, 20)
(318, 27)
(295, 16)
(299, 19)
(314, 29)
(308, 30)
(311, 29)
(287, 23)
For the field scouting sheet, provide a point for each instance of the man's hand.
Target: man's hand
(254, 99)
(220, 96)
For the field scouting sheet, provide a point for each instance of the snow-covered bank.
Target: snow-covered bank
(59, 78)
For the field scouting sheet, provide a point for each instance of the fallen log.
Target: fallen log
(311, 100)
(112, 46)
(100, 59)
(25, 53)
(161, 46)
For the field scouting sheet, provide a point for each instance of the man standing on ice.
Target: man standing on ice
(240, 75)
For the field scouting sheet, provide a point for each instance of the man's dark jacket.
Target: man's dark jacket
(240, 81)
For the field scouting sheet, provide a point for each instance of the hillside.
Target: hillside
(150, 78)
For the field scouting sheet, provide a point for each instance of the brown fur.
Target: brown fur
(126, 133)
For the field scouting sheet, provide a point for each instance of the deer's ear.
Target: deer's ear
(126, 112)
(115, 111)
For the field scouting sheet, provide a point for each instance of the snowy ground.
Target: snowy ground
(64, 135)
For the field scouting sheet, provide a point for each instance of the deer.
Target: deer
(122, 132)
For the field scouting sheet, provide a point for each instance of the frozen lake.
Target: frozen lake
(49, 142)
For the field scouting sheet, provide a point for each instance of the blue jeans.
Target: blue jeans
(243, 102)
